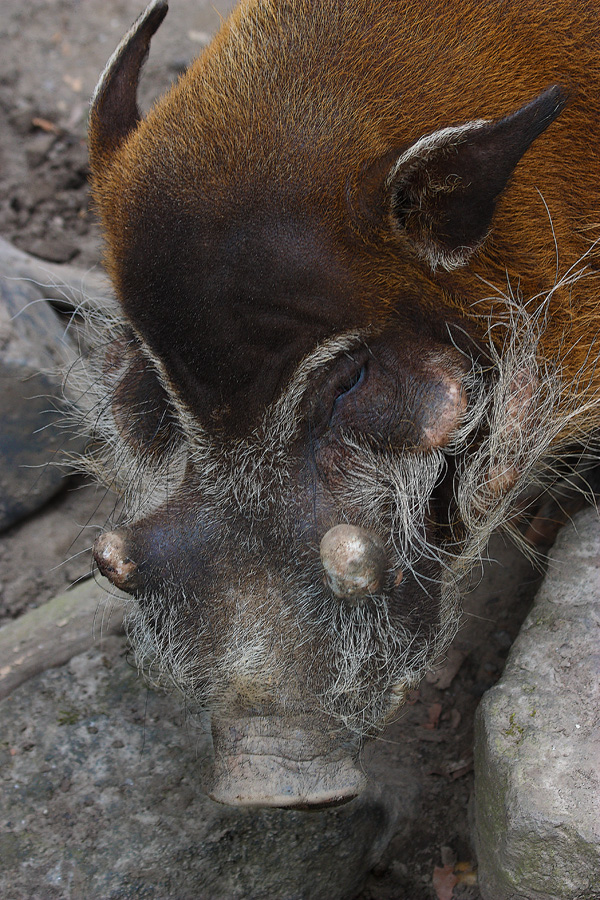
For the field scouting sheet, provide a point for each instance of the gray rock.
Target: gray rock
(33, 354)
(29, 436)
(100, 798)
(65, 284)
(537, 753)
(55, 632)
(53, 247)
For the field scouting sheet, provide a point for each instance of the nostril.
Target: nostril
(111, 555)
(355, 562)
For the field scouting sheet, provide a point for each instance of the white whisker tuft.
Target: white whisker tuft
(522, 411)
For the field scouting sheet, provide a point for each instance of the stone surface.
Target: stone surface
(67, 283)
(56, 631)
(537, 754)
(34, 351)
(100, 798)
(32, 345)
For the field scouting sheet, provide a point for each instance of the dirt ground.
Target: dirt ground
(51, 52)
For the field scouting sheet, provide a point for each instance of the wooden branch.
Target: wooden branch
(52, 634)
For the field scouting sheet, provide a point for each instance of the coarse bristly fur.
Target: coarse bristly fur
(332, 189)
(522, 404)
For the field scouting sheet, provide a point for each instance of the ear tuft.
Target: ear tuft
(444, 188)
(114, 111)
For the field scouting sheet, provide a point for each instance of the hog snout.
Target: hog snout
(355, 562)
(276, 762)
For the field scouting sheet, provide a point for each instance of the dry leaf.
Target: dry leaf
(45, 125)
(434, 712)
(444, 881)
(75, 83)
(466, 873)
(443, 678)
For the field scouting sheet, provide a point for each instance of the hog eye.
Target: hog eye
(342, 381)
(350, 384)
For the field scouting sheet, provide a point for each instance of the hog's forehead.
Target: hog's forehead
(232, 306)
(231, 213)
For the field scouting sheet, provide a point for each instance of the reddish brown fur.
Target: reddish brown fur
(336, 86)
(298, 347)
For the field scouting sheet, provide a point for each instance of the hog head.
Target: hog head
(292, 382)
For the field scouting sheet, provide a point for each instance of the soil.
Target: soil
(51, 52)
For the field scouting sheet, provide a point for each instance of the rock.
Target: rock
(537, 752)
(22, 118)
(30, 337)
(53, 247)
(38, 148)
(55, 632)
(32, 347)
(101, 798)
(66, 285)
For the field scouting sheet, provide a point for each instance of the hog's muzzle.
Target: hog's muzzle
(293, 757)
(271, 761)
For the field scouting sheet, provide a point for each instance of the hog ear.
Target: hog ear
(114, 111)
(444, 188)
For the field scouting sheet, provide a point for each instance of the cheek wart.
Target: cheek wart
(447, 404)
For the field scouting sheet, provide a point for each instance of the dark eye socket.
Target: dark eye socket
(346, 375)
(351, 383)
